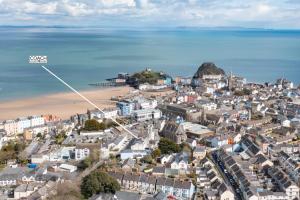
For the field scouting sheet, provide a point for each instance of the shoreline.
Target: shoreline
(61, 104)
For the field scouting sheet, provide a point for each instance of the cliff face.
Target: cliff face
(208, 69)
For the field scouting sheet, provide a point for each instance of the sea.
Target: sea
(87, 55)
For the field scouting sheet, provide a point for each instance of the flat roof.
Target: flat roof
(195, 128)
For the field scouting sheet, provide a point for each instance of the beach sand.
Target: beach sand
(62, 105)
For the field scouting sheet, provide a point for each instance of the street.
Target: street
(227, 176)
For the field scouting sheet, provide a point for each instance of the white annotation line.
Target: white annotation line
(86, 99)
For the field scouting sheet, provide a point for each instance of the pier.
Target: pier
(107, 84)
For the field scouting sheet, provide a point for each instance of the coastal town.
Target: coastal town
(210, 136)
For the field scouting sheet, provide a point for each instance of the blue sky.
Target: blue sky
(278, 14)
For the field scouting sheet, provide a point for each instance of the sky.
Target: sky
(277, 14)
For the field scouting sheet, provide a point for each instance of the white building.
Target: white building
(207, 105)
(10, 126)
(142, 103)
(110, 113)
(212, 76)
(166, 159)
(107, 113)
(36, 121)
(179, 164)
(81, 154)
(43, 129)
(225, 193)
(269, 195)
(152, 87)
(285, 183)
(68, 168)
(23, 123)
(84, 150)
(91, 133)
(61, 154)
(286, 123)
(3, 137)
(147, 114)
(39, 158)
(128, 153)
(140, 144)
(118, 143)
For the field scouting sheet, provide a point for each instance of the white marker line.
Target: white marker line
(66, 84)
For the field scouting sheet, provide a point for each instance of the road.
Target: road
(227, 176)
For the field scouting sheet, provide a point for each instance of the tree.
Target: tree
(247, 91)
(87, 162)
(97, 182)
(147, 159)
(67, 190)
(95, 155)
(243, 92)
(186, 148)
(22, 158)
(59, 138)
(39, 135)
(11, 151)
(156, 153)
(19, 147)
(167, 146)
(93, 125)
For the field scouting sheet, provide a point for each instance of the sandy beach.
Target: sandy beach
(62, 105)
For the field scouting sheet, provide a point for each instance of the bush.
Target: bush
(98, 182)
(167, 146)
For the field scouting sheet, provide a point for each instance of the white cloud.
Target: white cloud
(117, 3)
(263, 8)
(47, 8)
(257, 13)
(75, 8)
(28, 7)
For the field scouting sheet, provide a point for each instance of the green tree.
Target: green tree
(13, 150)
(147, 159)
(59, 138)
(247, 91)
(243, 92)
(97, 182)
(156, 153)
(87, 162)
(93, 125)
(167, 146)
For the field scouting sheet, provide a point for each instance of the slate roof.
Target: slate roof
(161, 181)
(169, 182)
(116, 175)
(160, 170)
(131, 177)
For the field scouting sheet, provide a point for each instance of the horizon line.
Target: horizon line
(156, 27)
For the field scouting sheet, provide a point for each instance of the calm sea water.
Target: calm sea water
(82, 56)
